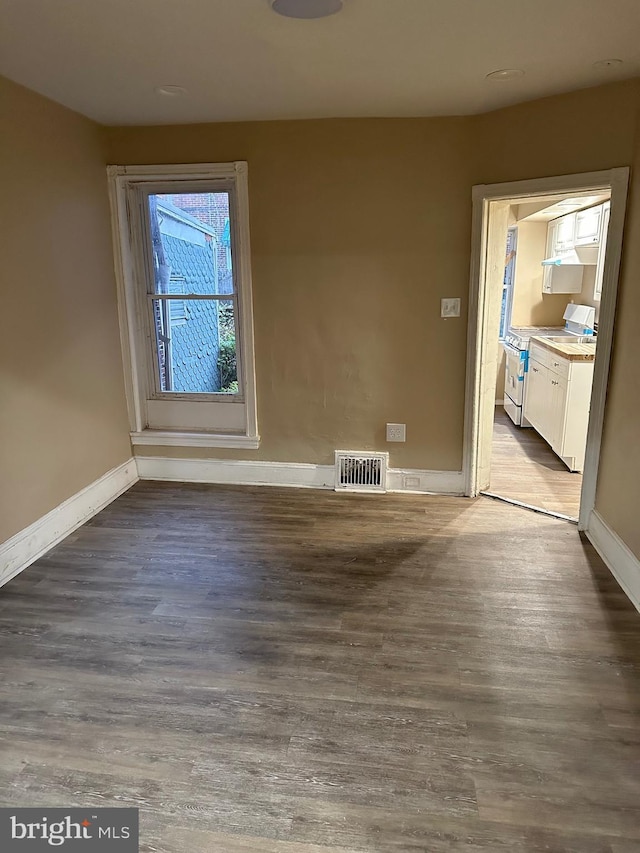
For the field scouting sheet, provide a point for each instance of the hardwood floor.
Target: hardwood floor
(293, 671)
(525, 468)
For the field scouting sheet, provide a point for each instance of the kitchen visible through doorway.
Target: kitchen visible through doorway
(545, 263)
(554, 261)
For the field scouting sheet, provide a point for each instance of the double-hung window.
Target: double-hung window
(184, 275)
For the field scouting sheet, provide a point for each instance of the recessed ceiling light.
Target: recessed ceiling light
(306, 8)
(506, 74)
(607, 63)
(171, 91)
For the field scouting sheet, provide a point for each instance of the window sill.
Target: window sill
(165, 438)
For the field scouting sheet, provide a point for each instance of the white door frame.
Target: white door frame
(478, 416)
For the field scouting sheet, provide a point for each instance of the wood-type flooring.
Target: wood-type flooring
(525, 468)
(298, 671)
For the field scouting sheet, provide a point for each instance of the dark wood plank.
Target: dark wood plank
(306, 672)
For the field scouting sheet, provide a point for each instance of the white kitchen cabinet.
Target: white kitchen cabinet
(572, 230)
(557, 279)
(565, 233)
(557, 400)
(588, 226)
(604, 230)
(562, 279)
(560, 241)
(546, 392)
(552, 242)
(575, 237)
(536, 403)
(560, 235)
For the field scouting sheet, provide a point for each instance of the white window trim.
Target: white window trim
(133, 339)
(163, 438)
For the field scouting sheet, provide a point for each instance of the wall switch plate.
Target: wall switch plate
(396, 432)
(450, 307)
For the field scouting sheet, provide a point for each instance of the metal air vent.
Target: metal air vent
(358, 471)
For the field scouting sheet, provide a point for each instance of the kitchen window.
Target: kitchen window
(508, 281)
(182, 235)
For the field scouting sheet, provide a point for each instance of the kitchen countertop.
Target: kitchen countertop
(573, 351)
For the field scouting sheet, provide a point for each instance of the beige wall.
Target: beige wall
(62, 411)
(587, 294)
(358, 228)
(585, 131)
(532, 307)
(618, 497)
(560, 135)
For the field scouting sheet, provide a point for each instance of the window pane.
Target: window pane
(177, 309)
(196, 345)
(191, 242)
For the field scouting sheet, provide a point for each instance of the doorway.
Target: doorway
(493, 216)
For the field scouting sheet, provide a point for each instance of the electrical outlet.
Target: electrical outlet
(450, 307)
(396, 432)
(410, 482)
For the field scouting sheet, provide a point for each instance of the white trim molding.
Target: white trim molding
(17, 553)
(236, 472)
(148, 407)
(295, 474)
(162, 438)
(621, 562)
(418, 482)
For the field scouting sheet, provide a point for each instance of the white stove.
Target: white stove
(518, 336)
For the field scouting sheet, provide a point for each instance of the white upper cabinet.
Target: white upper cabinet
(587, 226)
(552, 238)
(575, 237)
(565, 233)
(561, 235)
(561, 279)
(583, 228)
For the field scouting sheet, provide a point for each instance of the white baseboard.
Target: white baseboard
(236, 472)
(621, 562)
(31, 543)
(296, 474)
(417, 482)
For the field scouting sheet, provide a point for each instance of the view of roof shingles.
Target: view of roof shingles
(193, 262)
(195, 342)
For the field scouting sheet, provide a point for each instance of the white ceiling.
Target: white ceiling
(545, 208)
(240, 61)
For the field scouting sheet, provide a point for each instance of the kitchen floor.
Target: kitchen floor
(525, 468)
